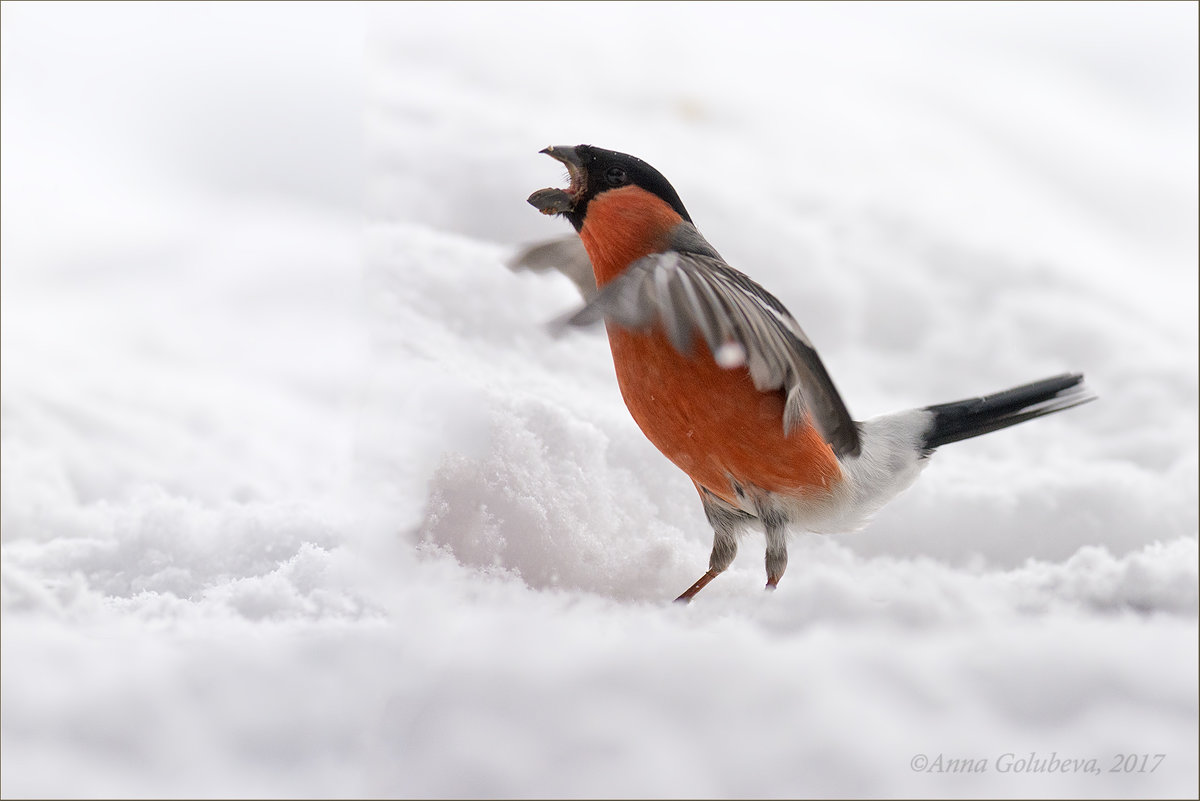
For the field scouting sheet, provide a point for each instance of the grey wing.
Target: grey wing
(742, 324)
(565, 254)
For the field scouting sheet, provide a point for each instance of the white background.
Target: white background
(301, 498)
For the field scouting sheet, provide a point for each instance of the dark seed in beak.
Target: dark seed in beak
(552, 201)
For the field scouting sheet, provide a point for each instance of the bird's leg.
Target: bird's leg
(700, 584)
(724, 549)
(725, 521)
(775, 526)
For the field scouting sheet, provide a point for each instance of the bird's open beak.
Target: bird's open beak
(560, 201)
(566, 155)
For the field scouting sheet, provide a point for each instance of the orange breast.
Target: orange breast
(623, 225)
(713, 423)
(709, 421)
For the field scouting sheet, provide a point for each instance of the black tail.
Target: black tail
(970, 418)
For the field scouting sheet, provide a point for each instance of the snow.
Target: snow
(302, 498)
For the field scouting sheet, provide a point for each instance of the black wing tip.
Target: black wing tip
(847, 443)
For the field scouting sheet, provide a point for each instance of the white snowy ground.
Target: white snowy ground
(298, 506)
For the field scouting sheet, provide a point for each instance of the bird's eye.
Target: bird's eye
(615, 176)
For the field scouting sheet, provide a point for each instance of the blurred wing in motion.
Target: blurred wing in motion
(566, 255)
(742, 324)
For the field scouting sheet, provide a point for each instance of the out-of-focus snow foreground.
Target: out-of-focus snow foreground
(294, 505)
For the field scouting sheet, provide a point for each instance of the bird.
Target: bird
(722, 380)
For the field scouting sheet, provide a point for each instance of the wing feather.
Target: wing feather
(693, 293)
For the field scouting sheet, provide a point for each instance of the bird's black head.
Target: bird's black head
(594, 170)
